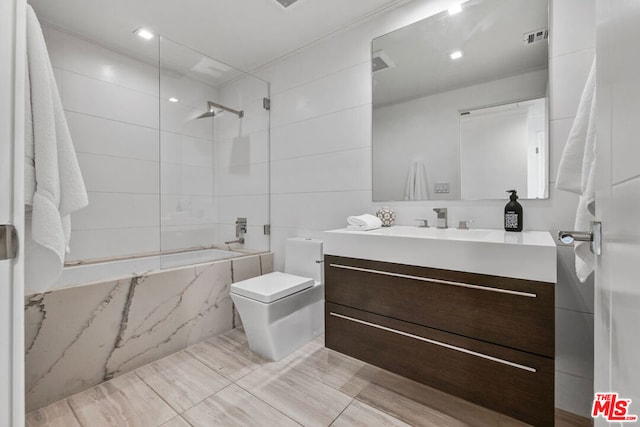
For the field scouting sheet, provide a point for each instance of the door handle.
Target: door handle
(8, 242)
(594, 236)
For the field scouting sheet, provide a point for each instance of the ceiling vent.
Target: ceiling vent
(381, 61)
(286, 3)
(535, 36)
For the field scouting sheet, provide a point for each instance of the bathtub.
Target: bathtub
(105, 319)
(83, 274)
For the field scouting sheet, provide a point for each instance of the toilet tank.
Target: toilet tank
(304, 257)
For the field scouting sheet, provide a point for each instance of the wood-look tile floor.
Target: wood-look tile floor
(220, 382)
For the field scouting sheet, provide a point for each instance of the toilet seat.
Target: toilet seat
(271, 287)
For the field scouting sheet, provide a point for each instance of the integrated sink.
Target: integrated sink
(527, 255)
(431, 233)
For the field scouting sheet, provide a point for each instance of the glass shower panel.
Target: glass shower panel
(241, 151)
(214, 152)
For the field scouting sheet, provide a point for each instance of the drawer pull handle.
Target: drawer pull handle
(438, 343)
(442, 282)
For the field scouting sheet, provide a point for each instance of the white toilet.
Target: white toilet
(281, 312)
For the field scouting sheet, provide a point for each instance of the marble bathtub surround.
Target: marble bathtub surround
(308, 388)
(78, 337)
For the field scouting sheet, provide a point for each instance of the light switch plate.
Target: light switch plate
(441, 187)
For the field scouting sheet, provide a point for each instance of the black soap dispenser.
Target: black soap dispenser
(513, 213)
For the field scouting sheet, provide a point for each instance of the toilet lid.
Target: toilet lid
(271, 287)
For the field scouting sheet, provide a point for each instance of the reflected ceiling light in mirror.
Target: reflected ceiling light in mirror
(172, 99)
(144, 33)
(456, 8)
(456, 55)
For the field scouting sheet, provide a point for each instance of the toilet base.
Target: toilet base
(277, 329)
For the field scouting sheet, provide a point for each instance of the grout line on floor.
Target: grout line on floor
(135, 371)
(208, 397)
(73, 411)
(183, 418)
(268, 404)
(341, 412)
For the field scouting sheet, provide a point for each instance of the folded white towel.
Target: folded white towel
(364, 222)
(576, 172)
(53, 183)
(416, 185)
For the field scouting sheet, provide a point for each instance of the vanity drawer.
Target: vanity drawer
(509, 312)
(513, 382)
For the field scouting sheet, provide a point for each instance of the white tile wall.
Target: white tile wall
(113, 242)
(146, 188)
(568, 75)
(559, 131)
(188, 236)
(184, 179)
(321, 165)
(243, 180)
(97, 135)
(338, 91)
(91, 60)
(98, 98)
(184, 209)
(342, 170)
(181, 149)
(242, 150)
(119, 174)
(118, 210)
(339, 131)
(254, 208)
(573, 26)
(180, 118)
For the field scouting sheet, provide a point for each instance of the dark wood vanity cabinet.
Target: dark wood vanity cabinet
(486, 339)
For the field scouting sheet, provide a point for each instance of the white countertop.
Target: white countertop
(527, 255)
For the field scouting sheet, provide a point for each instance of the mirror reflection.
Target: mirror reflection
(460, 104)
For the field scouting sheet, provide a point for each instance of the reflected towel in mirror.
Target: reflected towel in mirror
(416, 186)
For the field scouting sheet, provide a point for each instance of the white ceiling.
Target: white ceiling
(241, 33)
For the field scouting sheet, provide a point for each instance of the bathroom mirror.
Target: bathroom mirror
(460, 104)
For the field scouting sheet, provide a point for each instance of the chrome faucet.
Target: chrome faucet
(241, 229)
(441, 222)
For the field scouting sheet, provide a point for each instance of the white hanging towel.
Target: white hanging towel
(416, 186)
(363, 222)
(576, 172)
(53, 182)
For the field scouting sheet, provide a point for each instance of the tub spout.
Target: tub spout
(239, 240)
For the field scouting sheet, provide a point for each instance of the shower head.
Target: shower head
(209, 113)
(211, 110)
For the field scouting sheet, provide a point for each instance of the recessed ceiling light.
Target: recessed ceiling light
(456, 55)
(144, 33)
(172, 99)
(456, 8)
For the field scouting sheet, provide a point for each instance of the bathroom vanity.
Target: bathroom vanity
(469, 312)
